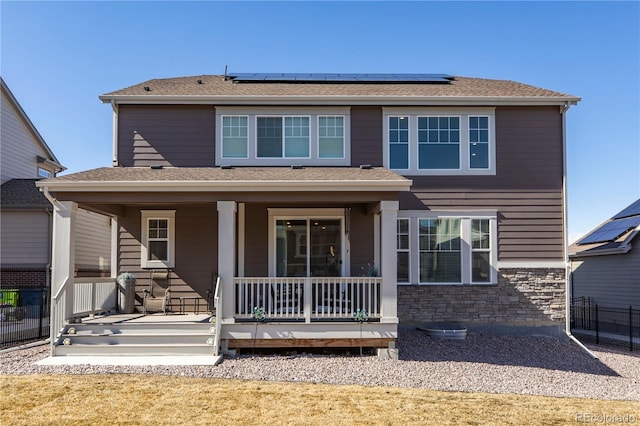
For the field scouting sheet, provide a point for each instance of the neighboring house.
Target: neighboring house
(605, 264)
(297, 190)
(25, 213)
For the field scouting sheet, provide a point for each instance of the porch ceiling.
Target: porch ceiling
(237, 179)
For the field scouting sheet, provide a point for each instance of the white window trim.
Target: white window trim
(463, 113)
(465, 243)
(314, 113)
(49, 173)
(168, 215)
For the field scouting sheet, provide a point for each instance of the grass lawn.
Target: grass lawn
(159, 400)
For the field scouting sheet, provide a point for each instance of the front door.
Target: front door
(309, 247)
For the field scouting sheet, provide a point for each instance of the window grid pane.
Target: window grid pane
(269, 138)
(440, 251)
(296, 131)
(234, 137)
(402, 246)
(438, 142)
(158, 237)
(399, 142)
(480, 250)
(479, 142)
(331, 137)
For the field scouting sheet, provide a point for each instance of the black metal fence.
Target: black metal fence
(604, 324)
(24, 315)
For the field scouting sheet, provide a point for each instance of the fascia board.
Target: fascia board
(604, 252)
(341, 100)
(227, 186)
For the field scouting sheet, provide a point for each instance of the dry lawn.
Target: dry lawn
(159, 400)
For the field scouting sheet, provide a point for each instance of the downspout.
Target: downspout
(114, 106)
(565, 209)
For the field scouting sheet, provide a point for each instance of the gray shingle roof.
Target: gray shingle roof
(216, 86)
(22, 193)
(237, 178)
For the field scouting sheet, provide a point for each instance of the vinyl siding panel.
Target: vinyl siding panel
(24, 238)
(196, 260)
(93, 242)
(611, 281)
(18, 148)
(176, 135)
(366, 136)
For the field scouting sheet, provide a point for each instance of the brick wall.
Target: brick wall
(22, 278)
(522, 297)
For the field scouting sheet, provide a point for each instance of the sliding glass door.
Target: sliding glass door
(308, 247)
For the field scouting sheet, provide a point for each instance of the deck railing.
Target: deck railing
(94, 295)
(217, 303)
(301, 298)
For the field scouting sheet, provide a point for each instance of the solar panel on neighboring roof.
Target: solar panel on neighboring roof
(342, 78)
(632, 210)
(610, 231)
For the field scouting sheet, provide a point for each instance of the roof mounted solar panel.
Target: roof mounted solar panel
(611, 230)
(339, 78)
(632, 210)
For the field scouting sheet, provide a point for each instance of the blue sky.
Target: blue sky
(57, 57)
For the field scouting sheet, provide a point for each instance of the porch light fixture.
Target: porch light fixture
(366, 166)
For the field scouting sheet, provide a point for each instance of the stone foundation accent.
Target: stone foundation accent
(522, 297)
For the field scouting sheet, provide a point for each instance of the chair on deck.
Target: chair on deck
(157, 298)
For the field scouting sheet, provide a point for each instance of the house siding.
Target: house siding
(175, 135)
(366, 136)
(196, 258)
(611, 281)
(24, 237)
(18, 149)
(93, 243)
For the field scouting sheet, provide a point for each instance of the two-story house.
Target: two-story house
(416, 197)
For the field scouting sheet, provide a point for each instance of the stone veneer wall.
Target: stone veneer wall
(522, 297)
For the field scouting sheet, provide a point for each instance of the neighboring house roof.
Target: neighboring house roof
(612, 237)
(51, 160)
(208, 88)
(22, 194)
(230, 179)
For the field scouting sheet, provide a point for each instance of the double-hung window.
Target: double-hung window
(158, 239)
(440, 141)
(277, 136)
(447, 248)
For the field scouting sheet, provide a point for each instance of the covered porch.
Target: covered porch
(307, 254)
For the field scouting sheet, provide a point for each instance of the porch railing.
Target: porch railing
(217, 303)
(90, 296)
(315, 298)
(94, 295)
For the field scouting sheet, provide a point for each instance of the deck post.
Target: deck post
(227, 255)
(388, 261)
(63, 255)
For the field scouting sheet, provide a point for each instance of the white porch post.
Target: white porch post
(388, 260)
(63, 256)
(227, 255)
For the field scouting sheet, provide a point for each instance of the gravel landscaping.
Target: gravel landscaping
(482, 362)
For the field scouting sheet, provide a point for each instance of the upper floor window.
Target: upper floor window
(44, 173)
(440, 142)
(271, 136)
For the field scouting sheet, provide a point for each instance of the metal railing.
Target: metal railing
(27, 318)
(604, 324)
(302, 298)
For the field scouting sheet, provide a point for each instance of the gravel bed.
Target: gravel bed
(482, 362)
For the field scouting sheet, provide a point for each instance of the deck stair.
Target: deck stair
(138, 335)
